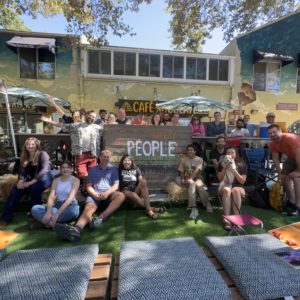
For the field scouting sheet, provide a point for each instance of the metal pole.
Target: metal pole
(3, 91)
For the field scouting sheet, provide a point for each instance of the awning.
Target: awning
(32, 42)
(259, 55)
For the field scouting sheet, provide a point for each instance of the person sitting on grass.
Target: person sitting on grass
(102, 186)
(62, 205)
(34, 178)
(134, 186)
(190, 168)
(232, 174)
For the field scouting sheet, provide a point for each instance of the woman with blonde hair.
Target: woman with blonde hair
(34, 178)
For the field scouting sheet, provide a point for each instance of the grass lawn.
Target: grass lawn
(129, 224)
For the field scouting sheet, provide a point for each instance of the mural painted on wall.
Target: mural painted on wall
(246, 95)
(280, 37)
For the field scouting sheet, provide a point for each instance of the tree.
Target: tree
(10, 20)
(191, 20)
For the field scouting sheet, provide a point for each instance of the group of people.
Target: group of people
(107, 187)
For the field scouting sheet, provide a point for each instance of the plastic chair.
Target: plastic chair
(238, 222)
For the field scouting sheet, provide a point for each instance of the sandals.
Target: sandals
(226, 225)
(159, 210)
(151, 214)
(67, 232)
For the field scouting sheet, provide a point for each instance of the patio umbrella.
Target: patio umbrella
(26, 96)
(196, 103)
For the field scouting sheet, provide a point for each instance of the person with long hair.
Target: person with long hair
(197, 127)
(34, 178)
(134, 186)
(156, 120)
(232, 174)
(62, 205)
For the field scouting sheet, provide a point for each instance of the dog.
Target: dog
(229, 177)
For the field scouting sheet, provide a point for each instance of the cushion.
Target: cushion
(252, 265)
(168, 269)
(53, 273)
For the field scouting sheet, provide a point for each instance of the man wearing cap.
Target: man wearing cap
(289, 174)
(270, 117)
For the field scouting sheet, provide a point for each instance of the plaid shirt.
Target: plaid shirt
(79, 133)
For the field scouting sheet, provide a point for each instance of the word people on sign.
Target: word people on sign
(151, 148)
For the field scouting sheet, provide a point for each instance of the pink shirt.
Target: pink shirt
(198, 129)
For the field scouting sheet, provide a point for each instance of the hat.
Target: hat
(270, 115)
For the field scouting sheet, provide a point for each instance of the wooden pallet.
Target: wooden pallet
(99, 283)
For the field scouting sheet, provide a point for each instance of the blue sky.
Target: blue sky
(150, 24)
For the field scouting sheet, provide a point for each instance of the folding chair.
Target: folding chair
(238, 222)
(256, 159)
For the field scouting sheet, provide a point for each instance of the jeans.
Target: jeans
(35, 192)
(69, 214)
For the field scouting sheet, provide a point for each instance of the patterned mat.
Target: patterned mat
(252, 265)
(53, 273)
(168, 269)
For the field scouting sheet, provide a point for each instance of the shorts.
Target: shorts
(288, 166)
(83, 163)
(104, 202)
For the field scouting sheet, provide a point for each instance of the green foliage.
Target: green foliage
(10, 20)
(193, 20)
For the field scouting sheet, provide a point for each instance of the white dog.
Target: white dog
(229, 176)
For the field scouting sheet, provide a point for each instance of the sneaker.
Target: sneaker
(36, 225)
(209, 208)
(295, 213)
(194, 213)
(95, 223)
(67, 232)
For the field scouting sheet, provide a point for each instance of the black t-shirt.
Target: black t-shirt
(68, 119)
(215, 154)
(129, 179)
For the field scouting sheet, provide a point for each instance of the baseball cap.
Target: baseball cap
(270, 115)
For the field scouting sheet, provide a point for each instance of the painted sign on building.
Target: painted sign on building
(286, 106)
(156, 150)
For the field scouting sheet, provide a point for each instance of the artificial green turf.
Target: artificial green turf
(128, 224)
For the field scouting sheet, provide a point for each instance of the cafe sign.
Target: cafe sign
(18, 108)
(133, 107)
(286, 106)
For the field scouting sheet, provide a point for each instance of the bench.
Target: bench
(99, 282)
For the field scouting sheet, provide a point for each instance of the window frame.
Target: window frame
(161, 53)
(37, 64)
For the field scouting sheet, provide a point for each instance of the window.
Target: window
(149, 65)
(99, 62)
(266, 77)
(218, 69)
(124, 63)
(172, 66)
(37, 63)
(196, 68)
(298, 81)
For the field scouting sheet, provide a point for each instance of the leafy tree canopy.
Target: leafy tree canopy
(191, 20)
(10, 20)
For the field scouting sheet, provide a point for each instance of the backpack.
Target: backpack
(260, 197)
(274, 197)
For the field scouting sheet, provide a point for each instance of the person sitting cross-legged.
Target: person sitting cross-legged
(102, 186)
(62, 205)
(190, 167)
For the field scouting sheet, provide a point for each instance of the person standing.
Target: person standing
(216, 127)
(289, 174)
(190, 168)
(122, 118)
(102, 186)
(34, 178)
(85, 143)
(102, 117)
